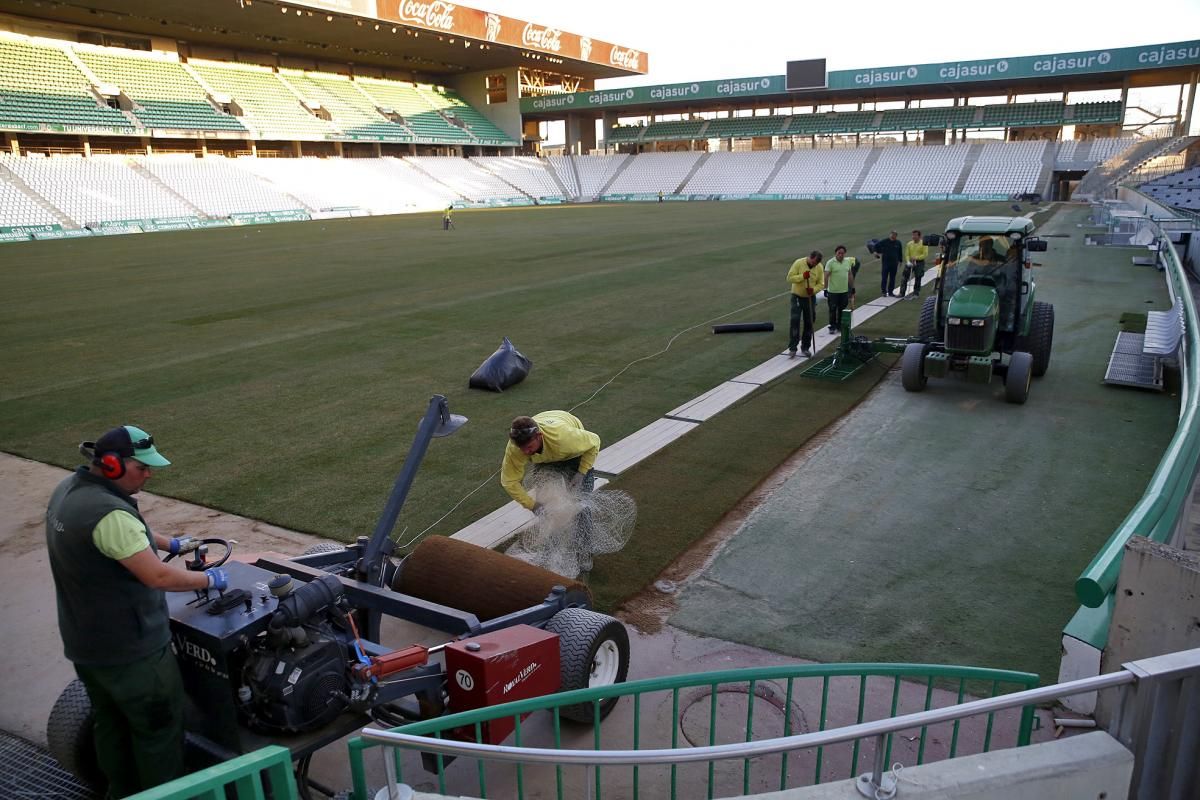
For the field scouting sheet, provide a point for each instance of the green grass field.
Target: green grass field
(283, 368)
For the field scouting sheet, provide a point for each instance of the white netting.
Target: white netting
(575, 525)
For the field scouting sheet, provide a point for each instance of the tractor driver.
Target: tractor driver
(556, 439)
(112, 610)
(986, 255)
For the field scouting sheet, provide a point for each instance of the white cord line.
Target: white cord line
(593, 396)
(670, 342)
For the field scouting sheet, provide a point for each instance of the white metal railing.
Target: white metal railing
(1158, 718)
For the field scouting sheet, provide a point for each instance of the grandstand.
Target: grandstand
(89, 191)
(1179, 189)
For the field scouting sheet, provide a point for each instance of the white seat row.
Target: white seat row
(655, 172)
(819, 171)
(733, 173)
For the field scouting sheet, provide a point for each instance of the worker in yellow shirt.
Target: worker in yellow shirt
(915, 253)
(807, 277)
(556, 439)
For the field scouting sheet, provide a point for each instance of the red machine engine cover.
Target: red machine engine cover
(511, 664)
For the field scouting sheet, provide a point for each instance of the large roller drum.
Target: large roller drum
(484, 582)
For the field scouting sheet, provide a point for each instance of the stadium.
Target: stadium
(271, 232)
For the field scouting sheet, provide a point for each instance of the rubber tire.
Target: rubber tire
(1041, 337)
(927, 327)
(1020, 373)
(580, 635)
(912, 367)
(70, 739)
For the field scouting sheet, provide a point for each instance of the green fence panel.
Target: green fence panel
(263, 773)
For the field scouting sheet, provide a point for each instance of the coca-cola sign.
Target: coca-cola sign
(622, 57)
(541, 38)
(437, 14)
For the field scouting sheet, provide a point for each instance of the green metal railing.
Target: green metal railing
(911, 686)
(1156, 515)
(254, 776)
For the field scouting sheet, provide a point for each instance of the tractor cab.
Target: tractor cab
(986, 293)
(984, 321)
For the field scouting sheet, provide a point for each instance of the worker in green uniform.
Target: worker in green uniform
(915, 253)
(112, 610)
(839, 282)
(556, 439)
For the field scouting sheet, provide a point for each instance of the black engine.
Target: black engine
(296, 676)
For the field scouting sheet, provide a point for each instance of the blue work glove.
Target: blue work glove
(182, 544)
(538, 510)
(217, 578)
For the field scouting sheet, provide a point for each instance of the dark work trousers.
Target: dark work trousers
(138, 722)
(917, 270)
(837, 304)
(887, 278)
(803, 311)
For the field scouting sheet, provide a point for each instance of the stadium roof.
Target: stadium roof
(427, 36)
(1147, 65)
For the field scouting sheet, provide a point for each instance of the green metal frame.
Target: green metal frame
(254, 776)
(954, 677)
(1157, 513)
(852, 354)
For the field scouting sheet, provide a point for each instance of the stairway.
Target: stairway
(15, 179)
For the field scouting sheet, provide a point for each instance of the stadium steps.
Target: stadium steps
(780, 163)
(74, 58)
(1049, 157)
(872, 157)
(546, 165)
(301, 99)
(15, 180)
(358, 87)
(699, 163)
(150, 176)
(519, 191)
(431, 179)
(616, 174)
(968, 165)
(578, 180)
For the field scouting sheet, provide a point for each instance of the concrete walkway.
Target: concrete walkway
(949, 526)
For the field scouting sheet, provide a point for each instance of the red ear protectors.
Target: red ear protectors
(112, 466)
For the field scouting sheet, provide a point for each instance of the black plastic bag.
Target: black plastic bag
(504, 368)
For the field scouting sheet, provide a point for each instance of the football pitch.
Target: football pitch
(283, 369)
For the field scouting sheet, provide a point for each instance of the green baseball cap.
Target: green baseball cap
(129, 441)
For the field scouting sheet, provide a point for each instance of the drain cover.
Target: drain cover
(27, 772)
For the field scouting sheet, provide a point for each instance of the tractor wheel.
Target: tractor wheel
(927, 327)
(70, 739)
(912, 367)
(595, 652)
(1020, 373)
(1040, 338)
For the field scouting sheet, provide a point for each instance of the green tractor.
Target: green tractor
(983, 320)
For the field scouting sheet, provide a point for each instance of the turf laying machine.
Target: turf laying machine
(983, 320)
(290, 653)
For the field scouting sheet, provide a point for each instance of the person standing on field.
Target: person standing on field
(839, 283)
(807, 277)
(891, 252)
(915, 253)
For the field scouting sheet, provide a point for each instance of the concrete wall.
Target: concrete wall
(505, 116)
(1157, 610)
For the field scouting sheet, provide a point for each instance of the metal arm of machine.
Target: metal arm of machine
(437, 422)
